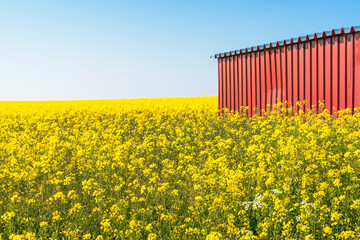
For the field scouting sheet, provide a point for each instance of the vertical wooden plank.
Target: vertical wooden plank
(342, 73)
(228, 86)
(223, 60)
(328, 82)
(302, 74)
(268, 77)
(258, 90)
(240, 80)
(357, 70)
(289, 74)
(262, 81)
(350, 71)
(244, 79)
(278, 75)
(321, 69)
(248, 81)
(236, 84)
(307, 75)
(232, 81)
(335, 72)
(253, 83)
(314, 74)
(273, 77)
(295, 75)
(284, 75)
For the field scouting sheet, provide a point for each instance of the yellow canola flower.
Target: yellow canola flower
(87, 236)
(152, 236)
(327, 230)
(8, 216)
(214, 236)
(44, 224)
(174, 168)
(56, 216)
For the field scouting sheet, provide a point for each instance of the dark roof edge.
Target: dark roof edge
(333, 32)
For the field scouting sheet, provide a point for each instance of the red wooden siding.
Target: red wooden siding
(324, 67)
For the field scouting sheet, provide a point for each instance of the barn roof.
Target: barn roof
(338, 31)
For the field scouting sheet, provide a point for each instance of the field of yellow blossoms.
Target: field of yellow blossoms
(173, 169)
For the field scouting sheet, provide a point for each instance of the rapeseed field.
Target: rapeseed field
(173, 169)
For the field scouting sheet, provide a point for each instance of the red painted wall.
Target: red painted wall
(325, 68)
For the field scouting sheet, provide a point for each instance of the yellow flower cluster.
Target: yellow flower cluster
(173, 168)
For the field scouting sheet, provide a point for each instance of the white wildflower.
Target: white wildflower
(276, 191)
(258, 197)
(304, 202)
(246, 205)
(254, 204)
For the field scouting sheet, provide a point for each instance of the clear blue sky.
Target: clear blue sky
(86, 49)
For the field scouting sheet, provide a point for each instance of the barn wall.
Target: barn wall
(322, 69)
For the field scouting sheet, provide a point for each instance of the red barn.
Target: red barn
(323, 66)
